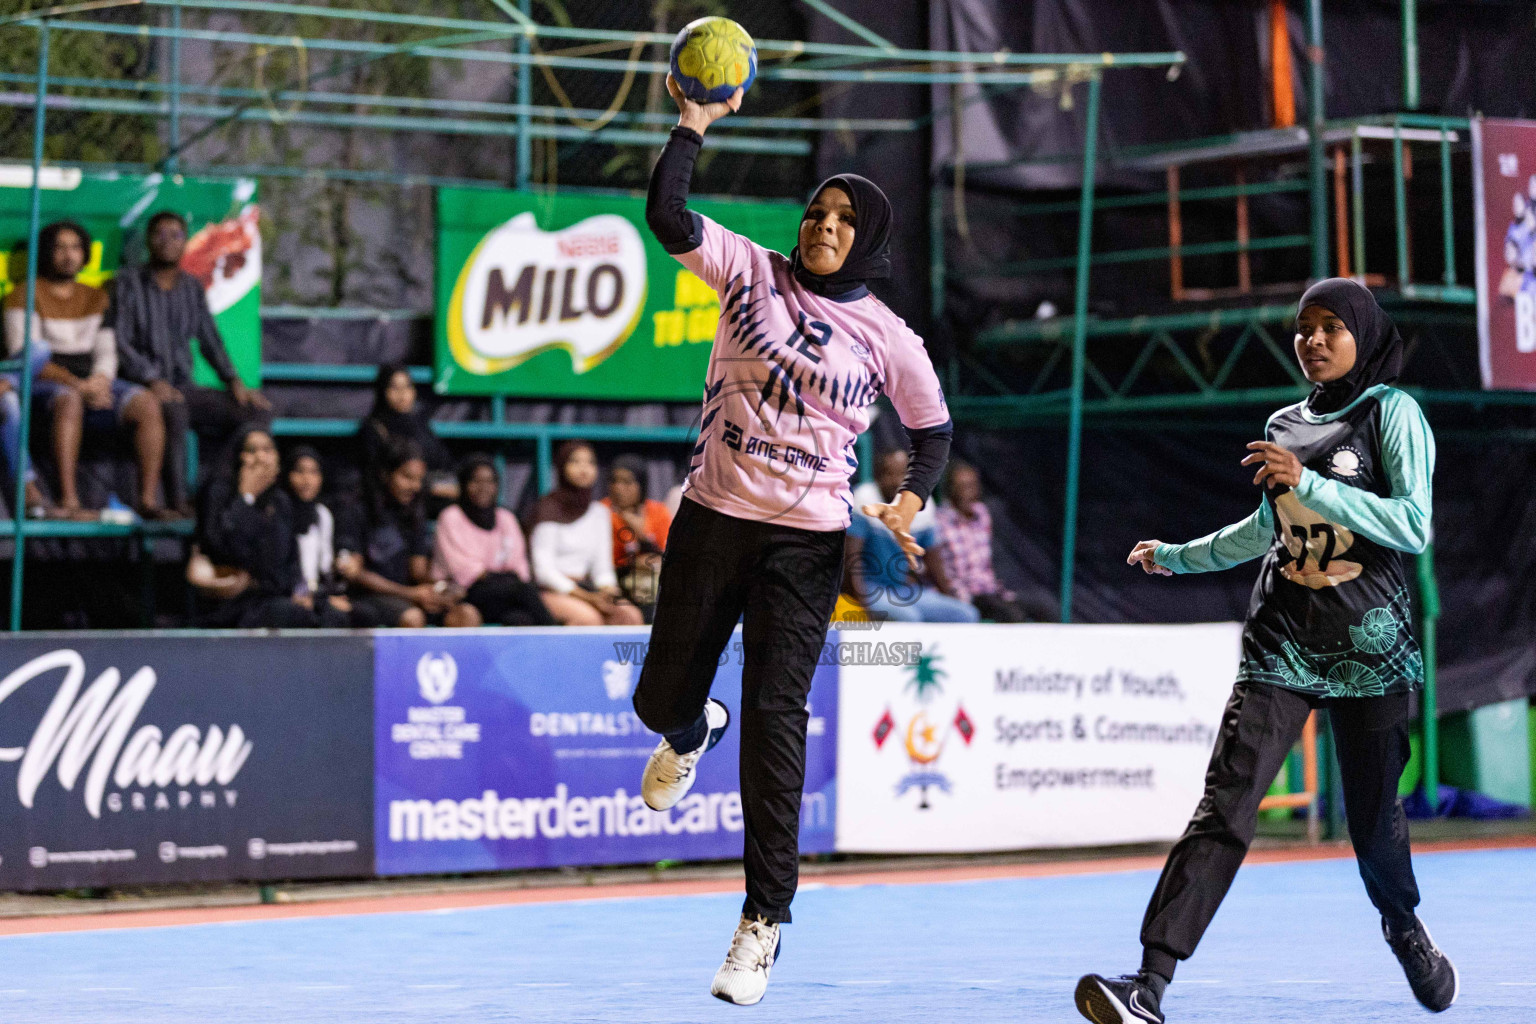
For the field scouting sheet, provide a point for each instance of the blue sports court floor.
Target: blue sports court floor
(1295, 942)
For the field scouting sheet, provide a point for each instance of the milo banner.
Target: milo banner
(1504, 195)
(520, 748)
(146, 758)
(223, 248)
(567, 295)
(1007, 737)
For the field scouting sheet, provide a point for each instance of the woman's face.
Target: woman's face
(826, 231)
(581, 468)
(304, 479)
(623, 489)
(400, 395)
(405, 481)
(1324, 345)
(258, 452)
(481, 487)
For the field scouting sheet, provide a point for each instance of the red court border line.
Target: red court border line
(113, 920)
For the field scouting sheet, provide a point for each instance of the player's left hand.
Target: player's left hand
(897, 518)
(1277, 465)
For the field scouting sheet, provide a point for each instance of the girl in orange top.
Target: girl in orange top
(640, 527)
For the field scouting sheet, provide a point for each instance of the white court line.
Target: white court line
(436, 985)
(1201, 981)
(316, 988)
(1299, 981)
(1519, 984)
(542, 984)
(108, 989)
(13, 991)
(210, 988)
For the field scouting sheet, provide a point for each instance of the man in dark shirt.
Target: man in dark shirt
(159, 309)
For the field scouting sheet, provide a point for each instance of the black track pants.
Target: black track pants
(1258, 728)
(786, 581)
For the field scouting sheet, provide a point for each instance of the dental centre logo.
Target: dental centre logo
(439, 730)
(94, 732)
(525, 290)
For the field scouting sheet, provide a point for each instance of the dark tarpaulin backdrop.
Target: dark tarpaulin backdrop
(1179, 484)
(1472, 56)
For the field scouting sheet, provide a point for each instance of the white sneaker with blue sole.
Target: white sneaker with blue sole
(669, 775)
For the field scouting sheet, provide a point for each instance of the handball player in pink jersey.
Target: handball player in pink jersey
(802, 352)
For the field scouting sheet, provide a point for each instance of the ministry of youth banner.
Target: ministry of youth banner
(502, 749)
(1008, 737)
(1504, 199)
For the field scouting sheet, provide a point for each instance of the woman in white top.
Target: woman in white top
(570, 542)
(314, 533)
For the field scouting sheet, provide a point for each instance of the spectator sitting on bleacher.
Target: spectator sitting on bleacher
(16, 461)
(480, 547)
(397, 416)
(965, 546)
(158, 309)
(383, 551)
(314, 531)
(247, 528)
(640, 527)
(880, 578)
(79, 385)
(571, 547)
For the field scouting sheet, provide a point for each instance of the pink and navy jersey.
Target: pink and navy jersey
(791, 378)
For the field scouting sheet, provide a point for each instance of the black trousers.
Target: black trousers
(785, 580)
(1258, 728)
(216, 416)
(504, 599)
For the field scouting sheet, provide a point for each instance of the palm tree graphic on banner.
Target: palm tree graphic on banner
(925, 735)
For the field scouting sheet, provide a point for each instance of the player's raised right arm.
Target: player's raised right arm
(666, 200)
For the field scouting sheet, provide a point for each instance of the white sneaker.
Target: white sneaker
(743, 978)
(669, 775)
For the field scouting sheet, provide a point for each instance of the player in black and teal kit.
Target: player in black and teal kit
(1346, 491)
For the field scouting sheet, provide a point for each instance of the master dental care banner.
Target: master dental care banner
(503, 749)
(567, 294)
(1009, 737)
(223, 248)
(130, 758)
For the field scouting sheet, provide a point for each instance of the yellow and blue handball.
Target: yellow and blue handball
(712, 58)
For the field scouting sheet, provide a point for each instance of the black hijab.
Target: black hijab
(1378, 346)
(484, 518)
(305, 513)
(870, 256)
(383, 425)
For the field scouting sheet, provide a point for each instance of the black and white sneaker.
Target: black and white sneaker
(743, 978)
(1122, 1000)
(1430, 972)
(669, 775)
